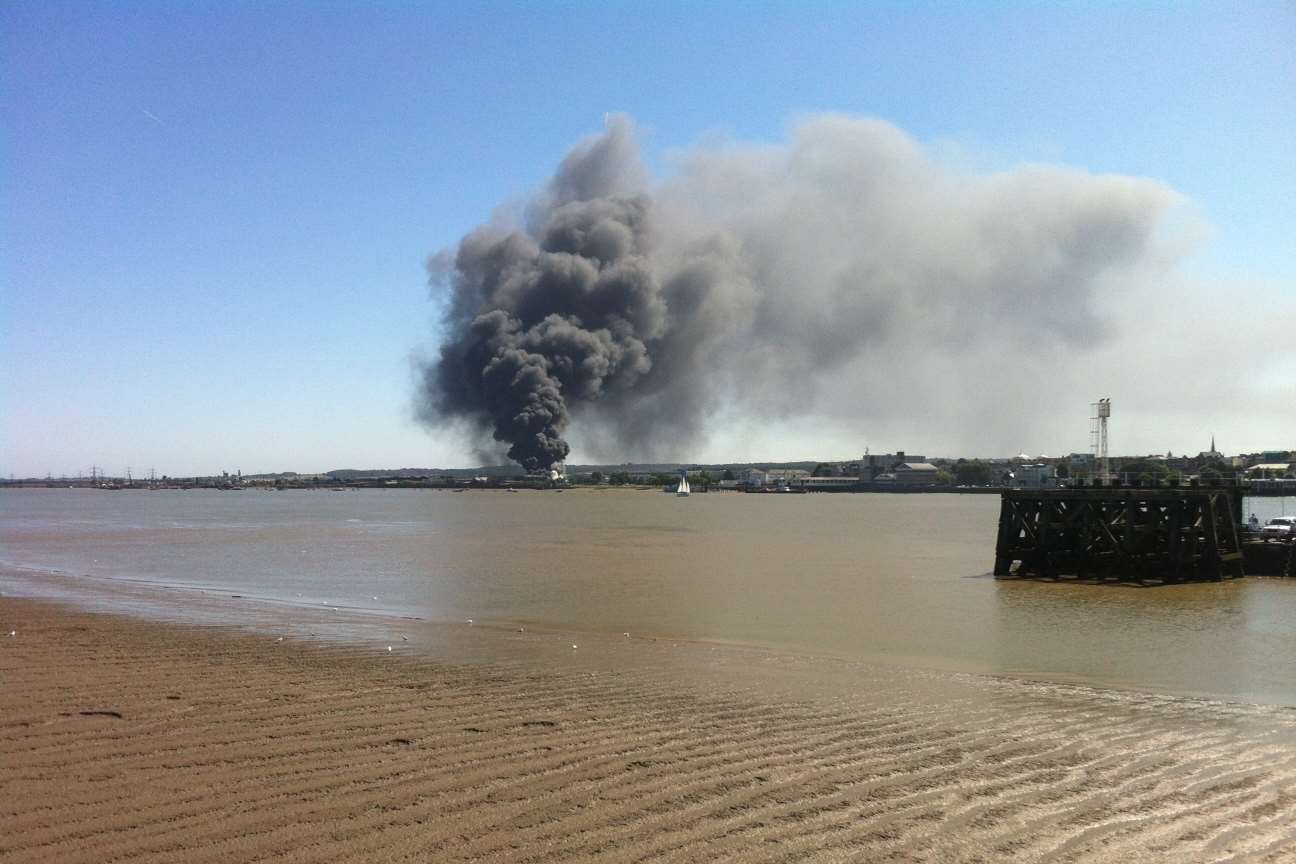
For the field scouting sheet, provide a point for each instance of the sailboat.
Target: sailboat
(683, 489)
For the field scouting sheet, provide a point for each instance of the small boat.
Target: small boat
(683, 490)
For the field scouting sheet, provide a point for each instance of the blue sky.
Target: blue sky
(215, 216)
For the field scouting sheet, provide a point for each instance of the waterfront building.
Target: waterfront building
(1039, 475)
(1081, 463)
(915, 474)
(1271, 470)
(827, 484)
(873, 465)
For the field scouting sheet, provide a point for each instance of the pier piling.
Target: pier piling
(1111, 533)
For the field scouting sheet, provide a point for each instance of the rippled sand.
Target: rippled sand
(126, 740)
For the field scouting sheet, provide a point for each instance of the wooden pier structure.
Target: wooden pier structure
(1148, 536)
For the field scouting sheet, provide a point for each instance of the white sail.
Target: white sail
(683, 488)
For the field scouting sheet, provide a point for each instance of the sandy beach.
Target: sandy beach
(126, 740)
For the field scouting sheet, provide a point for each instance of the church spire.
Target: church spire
(1213, 444)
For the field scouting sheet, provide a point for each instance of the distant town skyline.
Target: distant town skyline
(218, 219)
(154, 473)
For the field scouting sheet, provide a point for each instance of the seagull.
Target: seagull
(521, 629)
(574, 646)
(469, 620)
(13, 633)
(280, 639)
(404, 638)
(375, 597)
(626, 635)
(388, 649)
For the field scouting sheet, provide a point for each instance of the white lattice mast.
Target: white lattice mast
(1101, 414)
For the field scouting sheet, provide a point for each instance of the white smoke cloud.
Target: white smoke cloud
(849, 275)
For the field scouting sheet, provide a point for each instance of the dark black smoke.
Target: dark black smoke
(555, 316)
(837, 275)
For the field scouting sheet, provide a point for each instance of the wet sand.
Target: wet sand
(128, 740)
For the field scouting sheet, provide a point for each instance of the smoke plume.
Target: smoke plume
(838, 273)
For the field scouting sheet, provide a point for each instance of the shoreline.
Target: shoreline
(523, 643)
(231, 745)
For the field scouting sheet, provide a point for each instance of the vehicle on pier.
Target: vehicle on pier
(1279, 528)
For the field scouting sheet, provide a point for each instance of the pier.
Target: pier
(1147, 536)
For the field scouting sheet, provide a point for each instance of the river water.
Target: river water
(895, 579)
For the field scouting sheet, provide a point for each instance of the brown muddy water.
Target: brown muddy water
(894, 579)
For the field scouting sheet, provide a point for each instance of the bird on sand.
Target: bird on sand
(389, 649)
